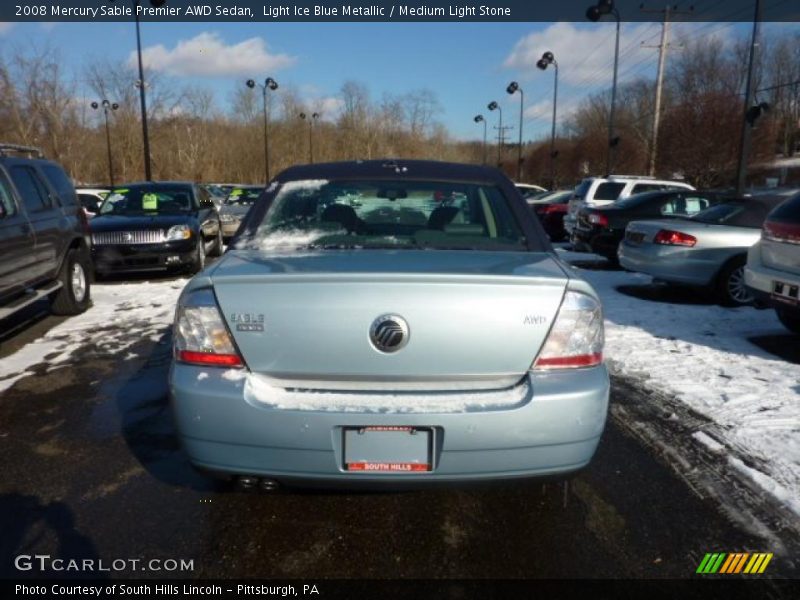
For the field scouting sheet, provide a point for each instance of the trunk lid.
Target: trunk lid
(476, 320)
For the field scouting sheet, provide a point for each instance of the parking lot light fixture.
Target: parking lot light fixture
(269, 85)
(548, 58)
(512, 88)
(595, 13)
(107, 106)
(480, 119)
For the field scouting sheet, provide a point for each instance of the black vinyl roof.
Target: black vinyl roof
(380, 169)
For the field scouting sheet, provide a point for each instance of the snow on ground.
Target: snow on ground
(145, 307)
(700, 353)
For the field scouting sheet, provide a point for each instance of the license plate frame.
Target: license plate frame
(388, 449)
(786, 293)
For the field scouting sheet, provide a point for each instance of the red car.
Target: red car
(551, 209)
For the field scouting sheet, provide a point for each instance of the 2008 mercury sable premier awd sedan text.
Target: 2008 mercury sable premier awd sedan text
(389, 323)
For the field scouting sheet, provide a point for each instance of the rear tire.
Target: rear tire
(218, 245)
(790, 320)
(199, 262)
(74, 296)
(731, 290)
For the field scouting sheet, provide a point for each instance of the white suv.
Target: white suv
(773, 264)
(599, 191)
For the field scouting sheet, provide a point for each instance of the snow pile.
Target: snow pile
(117, 310)
(260, 389)
(701, 354)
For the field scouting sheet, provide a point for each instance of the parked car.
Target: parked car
(91, 199)
(600, 229)
(772, 273)
(155, 226)
(217, 193)
(326, 344)
(600, 191)
(707, 250)
(44, 242)
(529, 189)
(551, 208)
(236, 206)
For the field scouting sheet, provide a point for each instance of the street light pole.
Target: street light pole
(106, 106)
(514, 87)
(549, 59)
(269, 84)
(595, 13)
(311, 119)
(747, 124)
(480, 119)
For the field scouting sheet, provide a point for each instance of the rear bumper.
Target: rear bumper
(229, 229)
(600, 241)
(554, 432)
(149, 257)
(671, 263)
(760, 280)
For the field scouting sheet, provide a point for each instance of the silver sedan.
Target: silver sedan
(708, 250)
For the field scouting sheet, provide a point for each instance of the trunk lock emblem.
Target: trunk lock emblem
(389, 333)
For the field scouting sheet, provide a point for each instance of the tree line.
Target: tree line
(192, 137)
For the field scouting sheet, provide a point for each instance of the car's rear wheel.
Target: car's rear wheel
(74, 296)
(790, 319)
(731, 290)
(218, 245)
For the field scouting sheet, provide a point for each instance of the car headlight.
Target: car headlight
(178, 232)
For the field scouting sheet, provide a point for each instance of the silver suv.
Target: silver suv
(599, 191)
(773, 263)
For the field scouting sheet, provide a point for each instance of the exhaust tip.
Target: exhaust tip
(269, 485)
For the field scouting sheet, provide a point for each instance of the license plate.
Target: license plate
(388, 449)
(785, 292)
(634, 237)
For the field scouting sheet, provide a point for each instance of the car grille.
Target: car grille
(155, 236)
(636, 237)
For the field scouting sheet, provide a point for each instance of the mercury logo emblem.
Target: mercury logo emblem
(389, 333)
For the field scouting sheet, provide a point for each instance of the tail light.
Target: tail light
(598, 219)
(554, 208)
(781, 232)
(576, 337)
(201, 336)
(674, 238)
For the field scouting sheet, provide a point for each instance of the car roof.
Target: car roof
(382, 169)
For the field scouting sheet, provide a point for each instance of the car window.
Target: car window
(583, 188)
(89, 201)
(609, 190)
(789, 211)
(388, 214)
(32, 189)
(7, 206)
(694, 204)
(61, 183)
(638, 188)
(243, 196)
(147, 200)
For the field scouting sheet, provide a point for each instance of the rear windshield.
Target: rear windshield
(739, 213)
(788, 212)
(387, 214)
(608, 191)
(149, 200)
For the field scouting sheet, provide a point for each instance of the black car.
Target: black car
(44, 241)
(601, 229)
(155, 226)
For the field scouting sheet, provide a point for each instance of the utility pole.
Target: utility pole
(744, 146)
(501, 140)
(662, 59)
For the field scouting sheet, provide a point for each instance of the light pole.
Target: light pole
(269, 84)
(495, 106)
(514, 87)
(751, 113)
(314, 117)
(594, 14)
(480, 119)
(544, 62)
(106, 107)
(141, 85)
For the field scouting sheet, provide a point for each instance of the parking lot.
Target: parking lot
(93, 469)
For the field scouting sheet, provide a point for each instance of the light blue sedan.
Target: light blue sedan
(389, 324)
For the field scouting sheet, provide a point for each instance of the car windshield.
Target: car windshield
(561, 197)
(243, 195)
(719, 213)
(387, 214)
(147, 200)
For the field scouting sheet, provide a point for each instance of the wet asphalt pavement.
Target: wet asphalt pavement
(92, 469)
